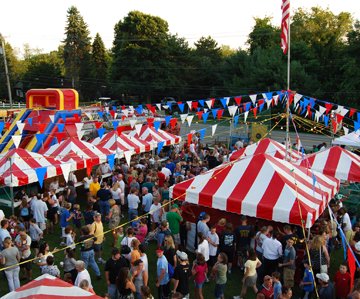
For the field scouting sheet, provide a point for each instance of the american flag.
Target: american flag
(285, 23)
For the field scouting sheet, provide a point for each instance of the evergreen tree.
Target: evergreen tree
(100, 65)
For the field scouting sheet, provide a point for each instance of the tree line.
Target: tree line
(146, 61)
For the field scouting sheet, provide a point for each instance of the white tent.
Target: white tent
(352, 139)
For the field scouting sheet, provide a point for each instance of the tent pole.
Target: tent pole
(11, 189)
(287, 143)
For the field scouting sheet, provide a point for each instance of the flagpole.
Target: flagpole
(288, 95)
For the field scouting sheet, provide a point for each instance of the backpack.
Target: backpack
(171, 270)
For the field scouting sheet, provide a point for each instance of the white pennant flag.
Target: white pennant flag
(189, 119)
(20, 127)
(322, 110)
(115, 115)
(268, 103)
(126, 112)
(213, 129)
(208, 103)
(79, 126)
(131, 108)
(343, 111)
(52, 118)
(80, 134)
(246, 115)
(232, 110)
(66, 168)
(253, 98)
(317, 116)
(264, 96)
(276, 99)
(297, 98)
(107, 109)
(183, 117)
(16, 139)
(206, 110)
(158, 106)
(346, 130)
(128, 155)
(339, 108)
(132, 123)
(89, 116)
(166, 107)
(306, 114)
(227, 100)
(189, 104)
(138, 129)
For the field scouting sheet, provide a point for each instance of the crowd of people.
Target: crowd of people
(273, 259)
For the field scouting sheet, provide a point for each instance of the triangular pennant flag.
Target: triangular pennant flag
(322, 110)
(232, 110)
(268, 103)
(236, 120)
(206, 110)
(269, 95)
(89, 166)
(98, 124)
(328, 107)
(214, 112)
(205, 116)
(202, 102)
(346, 130)
(77, 118)
(166, 107)
(139, 109)
(101, 114)
(88, 115)
(115, 115)
(16, 139)
(138, 129)
(181, 107)
(60, 136)
(111, 161)
(276, 99)
(317, 116)
(213, 129)
(297, 98)
(40, 138)
(157, 124)
(248, 106)
(80, 134)
(79, 126)
(128, 155)
(189, 138)
(343, 111)
(20, 127)
(356, 125)
(125, 112)
(253, 98)
(326, 120)
(42, 127)
(224, 102)
(173, 123)
(112, 113)
(52, 118)
(246, 115)
(261, 107)
(40, 173)
(7, 125)
(159, 147)
(208, 103)
(30, 121)
(189, 119)
(237, 100)
(169, 104)
(101, 132)
(114, 108)
(158, 105)
(334, 125)
(219, 113)
(352, 112)
(152, 109)
(255, 112)
(195, 105)
(199, 115)
(115, 124)
(202, 133)
(132, 122)
(167, 120)
(183, 117)
(339, 118)
(150, 121)
(189, 103)
(65, 168)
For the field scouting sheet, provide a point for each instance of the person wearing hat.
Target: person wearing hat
(162, 275)
(181, 274)
(112, 269)
(326, 288)
(174, 218)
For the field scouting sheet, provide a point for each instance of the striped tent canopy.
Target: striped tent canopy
(261, 186)
(120, 143)
(150, 135)
(18, 167)
(79, 152)
(49, 287)
(265, 146)
(335, 161)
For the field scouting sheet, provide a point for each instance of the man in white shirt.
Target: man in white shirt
(272, 251)
(155, 212)
(39, 209)
(165, 171)
(105, 168)
(133, 203)
(87, 181)
(83, 274)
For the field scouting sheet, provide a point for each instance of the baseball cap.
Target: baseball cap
(323, 277)
(97, 214)
(160, 249)
(182, 255)
(175, 206)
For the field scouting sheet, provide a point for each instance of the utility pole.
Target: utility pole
(3, 52)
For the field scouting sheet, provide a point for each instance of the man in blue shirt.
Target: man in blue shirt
(147, 200)
(162, 275)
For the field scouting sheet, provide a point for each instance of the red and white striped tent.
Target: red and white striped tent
(77, 151)
(18, 167)
(267, 146)
(261, 186)
(150, 135)
(335, 161)
(120, 143)
(49, 287)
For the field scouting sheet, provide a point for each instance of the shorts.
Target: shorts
(97, 247)
(42, 225)
(250, 281)
(230, 255)
(289, 277)
(35, 244)
(27, 265)
(177, 240)
(219, 290)
(199, 285)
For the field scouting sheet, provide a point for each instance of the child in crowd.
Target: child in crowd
(89, 214)
(307, 283)
(218, 272)
(213, 240)
(199, 271)
(65, 218)
(118, 237)
(342, 282)
(277, 284)
(36, 235)
(77, 216)
(69, 237)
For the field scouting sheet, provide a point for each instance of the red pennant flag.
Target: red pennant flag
(173, 122)
(212, 102)
(150, 121)
(260, 102)
(255, 111)
(60, 136)
(291, 98)
(195, 105)
(334, 125)
(328, 107)
(189, 138)
(339, 118)
(237, 100)
(148, 106)
(7, 125)
(77, 118)
(352, 111)
(308, 109)
(219, 113)
(88, 166)
(123, 107)
(153, 109)
(199, 114)
(42, 127)
(310, 114)
(98, 124)
(112, 113)
(352, 267)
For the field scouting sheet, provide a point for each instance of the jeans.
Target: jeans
(104, 207)
(89, 259)
(112, 291)
(133, 213)
(12, 276)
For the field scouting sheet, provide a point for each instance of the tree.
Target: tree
(77, 49)
(100, 65)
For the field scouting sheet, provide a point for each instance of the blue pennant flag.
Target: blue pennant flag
(358, 116)
(282, 96)
(326, 120)
(202, 133)
(248, 105)
(167, 120)
(236, 120)
(205, 116)
(157, 125)
(306, 102)
(2, 125)
(169, 104)
(160, 146)
(343, 241)
(198, 109)
(63, 116)
(214, 112)
(101, 132)
(30, 121)
(312, 102)
(261, 107)
(111, 160)
(114, 108)
(269, 95)
(101, 114)
(279, 92)
(115, 124)
(60, 127)
(302, 153)
(181, 107)
(40, 138)
(223, 102)
(40, 173)
(139, 109)
(356, 125)
(202, 102)
(314, 181)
